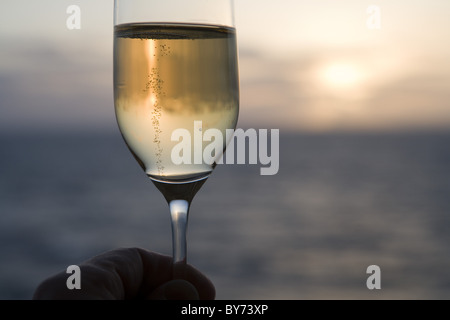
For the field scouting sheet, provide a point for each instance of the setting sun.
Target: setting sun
(341, 75)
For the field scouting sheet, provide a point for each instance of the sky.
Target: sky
(311, 65)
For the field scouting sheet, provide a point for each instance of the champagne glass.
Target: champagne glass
(175, 78)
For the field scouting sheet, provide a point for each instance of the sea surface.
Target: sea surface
(339, 203)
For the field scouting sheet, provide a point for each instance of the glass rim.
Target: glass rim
(201, 12)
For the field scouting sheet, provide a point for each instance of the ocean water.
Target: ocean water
(340, 203)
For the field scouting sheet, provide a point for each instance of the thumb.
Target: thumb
(175, 290)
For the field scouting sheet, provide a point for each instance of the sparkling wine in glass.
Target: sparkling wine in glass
(175, 68)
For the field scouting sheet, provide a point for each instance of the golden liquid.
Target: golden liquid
(165, 78)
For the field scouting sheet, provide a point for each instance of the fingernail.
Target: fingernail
(175, 290)
(180, 290)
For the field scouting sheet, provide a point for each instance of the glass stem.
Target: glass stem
(179, 211)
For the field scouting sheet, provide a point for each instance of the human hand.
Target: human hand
(127, 274)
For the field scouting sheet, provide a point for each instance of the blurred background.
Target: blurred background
(363, 107)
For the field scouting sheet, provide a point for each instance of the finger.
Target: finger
(122, 274)
(115, 274)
